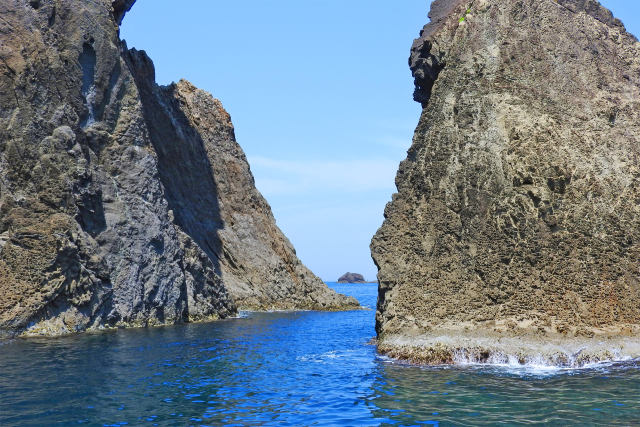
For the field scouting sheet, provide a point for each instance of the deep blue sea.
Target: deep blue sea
(303, 368)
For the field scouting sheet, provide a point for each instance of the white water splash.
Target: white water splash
(327, 356)
(538, 365)
(524, 355)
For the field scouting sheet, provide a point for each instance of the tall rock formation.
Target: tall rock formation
(123, 203)
(515, 232)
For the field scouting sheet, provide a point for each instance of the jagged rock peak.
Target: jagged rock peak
(426, 60)
(514, 232)
(123, 203)
(120, 8)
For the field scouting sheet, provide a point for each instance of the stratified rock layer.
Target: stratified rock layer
(123, 203)
(515, 232)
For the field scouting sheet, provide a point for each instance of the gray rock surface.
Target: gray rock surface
(123, 203)
(515, 232)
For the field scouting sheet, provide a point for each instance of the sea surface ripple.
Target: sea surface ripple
(289, 368)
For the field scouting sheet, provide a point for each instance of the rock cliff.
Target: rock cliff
(123, 203)
(515, 232)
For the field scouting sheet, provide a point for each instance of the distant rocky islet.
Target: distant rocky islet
(353, 278)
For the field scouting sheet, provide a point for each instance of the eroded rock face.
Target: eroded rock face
(123, 203)
(515, 231)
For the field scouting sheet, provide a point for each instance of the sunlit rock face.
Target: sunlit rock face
(515, 232)
(123, 203)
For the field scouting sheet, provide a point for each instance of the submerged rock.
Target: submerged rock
(351, 278)
(515, 232)
(123, 203)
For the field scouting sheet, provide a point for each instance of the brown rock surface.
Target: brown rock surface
(515, 232)
(123, 203)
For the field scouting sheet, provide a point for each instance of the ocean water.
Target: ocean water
(303, 368)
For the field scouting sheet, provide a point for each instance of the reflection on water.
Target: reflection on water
(286, 368)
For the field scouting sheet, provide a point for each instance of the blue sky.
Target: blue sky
(320, 95)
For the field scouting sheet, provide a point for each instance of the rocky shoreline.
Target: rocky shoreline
(458, 347)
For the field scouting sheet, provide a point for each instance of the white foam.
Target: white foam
(241, 315)
(538, 365)
(522, 354)
(327, 356)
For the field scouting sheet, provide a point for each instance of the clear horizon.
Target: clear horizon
(321, 98)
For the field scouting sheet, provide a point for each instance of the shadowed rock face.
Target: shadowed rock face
(516, 227)
(123, 203)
